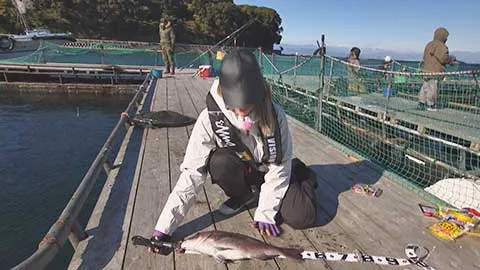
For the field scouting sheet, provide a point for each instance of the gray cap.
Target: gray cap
(241, 79)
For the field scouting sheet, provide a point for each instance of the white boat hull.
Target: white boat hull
(26, 47)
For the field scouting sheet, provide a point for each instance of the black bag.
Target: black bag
(162, 119)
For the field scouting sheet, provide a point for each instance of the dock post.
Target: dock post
(260, 58)
(323, 50)
(76, 234)
(295, 70)
(107, 166)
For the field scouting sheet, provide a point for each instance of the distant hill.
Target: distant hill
(342, 52)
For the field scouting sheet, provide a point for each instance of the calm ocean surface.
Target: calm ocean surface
(47, 143)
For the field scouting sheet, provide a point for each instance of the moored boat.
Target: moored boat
(12, 46)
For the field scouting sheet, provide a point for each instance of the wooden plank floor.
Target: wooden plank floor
(347, 221)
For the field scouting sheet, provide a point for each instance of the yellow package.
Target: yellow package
(447, 230)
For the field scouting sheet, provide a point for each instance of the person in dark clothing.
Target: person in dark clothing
(167, 44)
(243, 141)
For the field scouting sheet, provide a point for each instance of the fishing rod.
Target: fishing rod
(412, 258)
(234, 33)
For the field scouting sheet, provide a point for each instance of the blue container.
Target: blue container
(385, 91)
(157, 73)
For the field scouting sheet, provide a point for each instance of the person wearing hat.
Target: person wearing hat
(243, 141)
(387, 63)
(387, 66)
(167, 44)
(435, 57)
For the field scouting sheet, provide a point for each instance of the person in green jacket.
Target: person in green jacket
(167, 44)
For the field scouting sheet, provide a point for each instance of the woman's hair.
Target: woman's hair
(263, 110)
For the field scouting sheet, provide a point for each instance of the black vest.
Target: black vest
(228, 134)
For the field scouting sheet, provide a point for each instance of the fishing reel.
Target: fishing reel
(156, 244)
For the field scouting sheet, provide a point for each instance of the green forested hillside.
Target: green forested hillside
(195, 21)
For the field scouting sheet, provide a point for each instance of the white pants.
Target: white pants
(428, 92)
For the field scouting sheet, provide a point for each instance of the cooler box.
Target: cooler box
(205, 71)
(157, 73)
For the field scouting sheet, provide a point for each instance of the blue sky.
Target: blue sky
(403, 25)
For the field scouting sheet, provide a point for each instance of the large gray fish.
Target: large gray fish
(228, 247)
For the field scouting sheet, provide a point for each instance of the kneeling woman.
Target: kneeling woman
(242, 139)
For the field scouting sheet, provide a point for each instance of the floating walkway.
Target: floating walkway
(453, 126)
(147, 169)
(69, 72)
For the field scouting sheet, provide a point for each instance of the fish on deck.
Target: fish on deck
(227, 247)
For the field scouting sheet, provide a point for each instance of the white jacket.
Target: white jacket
(192, 178)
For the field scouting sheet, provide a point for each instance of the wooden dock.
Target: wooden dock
(71, 72)
(135, 192)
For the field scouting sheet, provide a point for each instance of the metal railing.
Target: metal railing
(67, 225)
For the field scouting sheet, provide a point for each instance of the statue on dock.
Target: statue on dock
(167, 44)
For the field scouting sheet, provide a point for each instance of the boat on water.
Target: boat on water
(12, 46)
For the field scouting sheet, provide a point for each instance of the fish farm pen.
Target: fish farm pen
(351, 124)
(376, 113)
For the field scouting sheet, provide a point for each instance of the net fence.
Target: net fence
(375, 111)
(114, 53)
(372, 109)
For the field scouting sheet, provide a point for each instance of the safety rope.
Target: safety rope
(467, 72)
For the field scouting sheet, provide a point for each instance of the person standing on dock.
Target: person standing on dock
(355, 81)
(243, 141)
(435, 57)
(167, 43)
(387, 64)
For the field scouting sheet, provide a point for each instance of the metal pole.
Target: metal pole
(42, 56)
(295, 70)
(389, 87)
(260, 58)
(323, 50)
(273, 59)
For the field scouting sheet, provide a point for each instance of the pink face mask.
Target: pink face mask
(247, 123)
